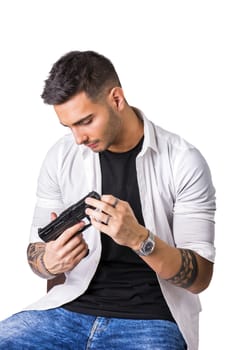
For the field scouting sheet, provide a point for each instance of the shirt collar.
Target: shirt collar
(150, 139)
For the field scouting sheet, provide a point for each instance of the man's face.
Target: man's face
(94, 124)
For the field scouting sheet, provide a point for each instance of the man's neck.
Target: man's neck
(131, 133)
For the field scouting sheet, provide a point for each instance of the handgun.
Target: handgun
(69, 217)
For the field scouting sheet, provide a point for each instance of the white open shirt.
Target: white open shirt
(178, 204)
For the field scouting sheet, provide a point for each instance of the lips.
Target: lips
(92, 145)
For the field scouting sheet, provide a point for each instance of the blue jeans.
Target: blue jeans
(61, 329)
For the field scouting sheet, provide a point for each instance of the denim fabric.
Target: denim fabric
(57, 329)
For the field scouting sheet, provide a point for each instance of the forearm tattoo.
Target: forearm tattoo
(35, 255)
(188, 270)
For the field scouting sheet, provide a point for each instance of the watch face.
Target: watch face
(148, 246)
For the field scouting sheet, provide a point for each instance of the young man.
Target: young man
(132, 278)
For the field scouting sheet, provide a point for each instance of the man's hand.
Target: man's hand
(55, 257)
(116, 219)
(66, 251)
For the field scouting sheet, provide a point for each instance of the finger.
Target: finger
(69, 263)
(95, 203)
(53, 216)
(69, 233)
(80, 253)
(76, 242)
(111, 200)
(104, 225)
(106, 198)
(68, 260)
(101, 207)
(98, 215)
(75, 247)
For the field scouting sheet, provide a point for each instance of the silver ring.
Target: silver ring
(115, 203)
(107, 221)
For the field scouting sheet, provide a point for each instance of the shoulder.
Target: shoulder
(163, 140)
(178, 149)
(171, 141)
(190, 170)
(184, 161)
(169, 146)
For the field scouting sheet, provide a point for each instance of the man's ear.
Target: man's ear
(117, 98)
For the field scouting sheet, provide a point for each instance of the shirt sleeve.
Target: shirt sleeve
(49, 197)
(194, 209)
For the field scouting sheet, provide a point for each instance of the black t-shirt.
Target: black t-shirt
(124, 285)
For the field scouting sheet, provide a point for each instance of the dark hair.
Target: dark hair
(79, 71)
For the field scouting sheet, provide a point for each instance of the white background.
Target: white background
(175, 62)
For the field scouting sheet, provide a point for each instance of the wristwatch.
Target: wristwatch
(147, 246)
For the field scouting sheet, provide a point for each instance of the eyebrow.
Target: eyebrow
(79, 122)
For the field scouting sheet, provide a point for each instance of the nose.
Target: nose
(79, 137)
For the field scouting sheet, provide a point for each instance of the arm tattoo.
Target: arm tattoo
(35, 255)
(188, 270)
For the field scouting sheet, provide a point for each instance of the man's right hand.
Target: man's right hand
(55, 257)
(66, 251)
